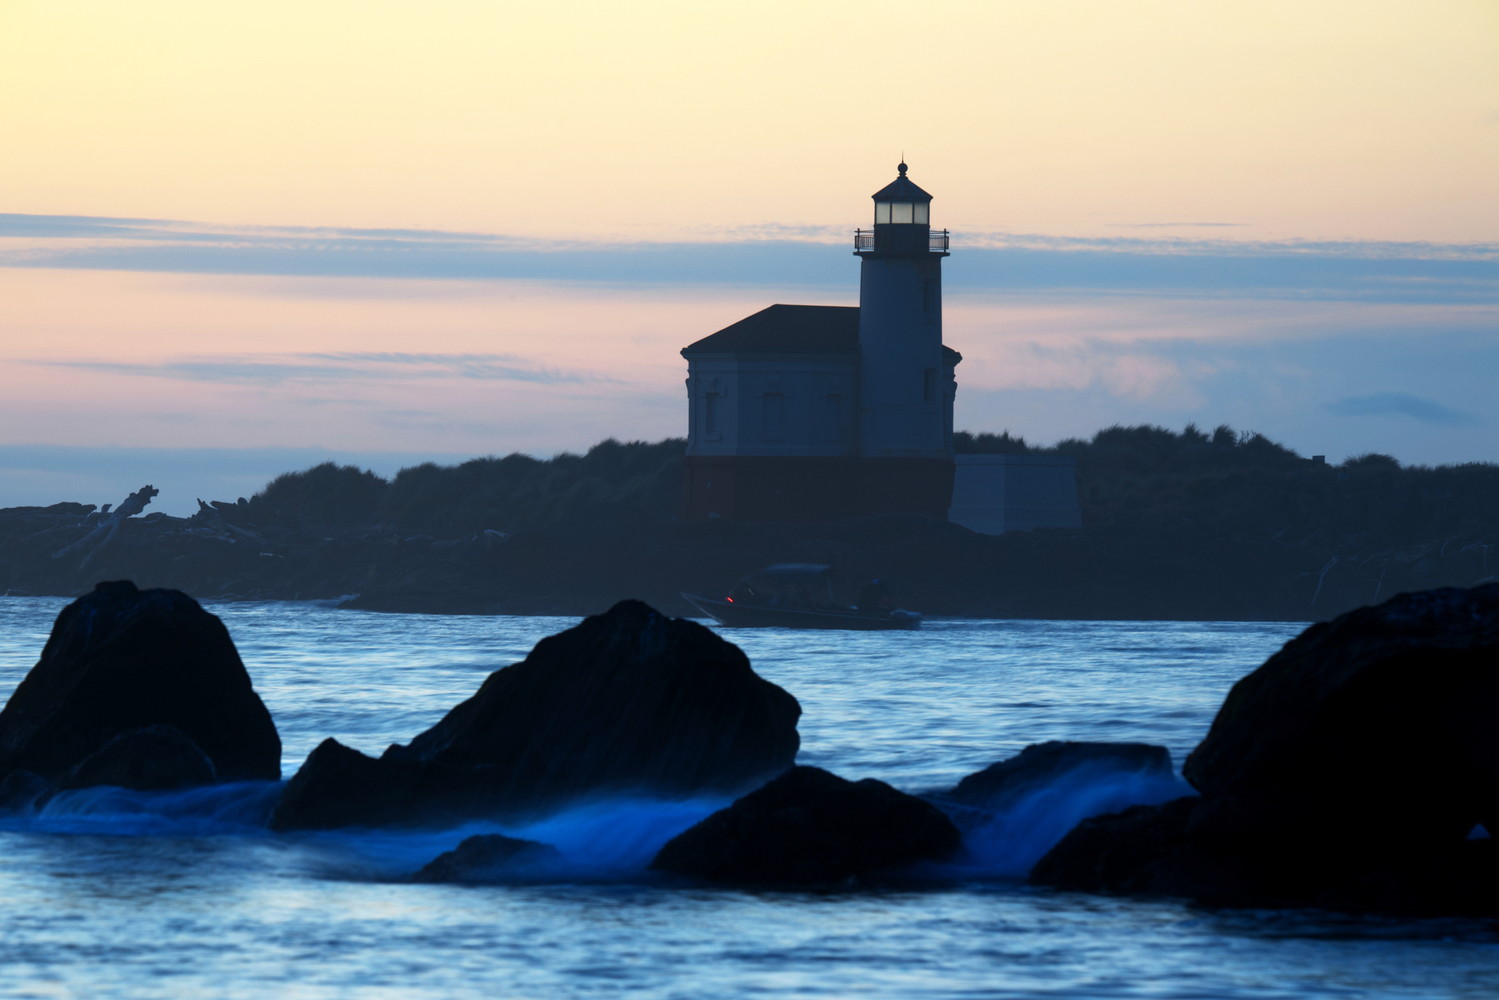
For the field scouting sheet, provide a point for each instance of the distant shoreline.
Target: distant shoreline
(1176, 526)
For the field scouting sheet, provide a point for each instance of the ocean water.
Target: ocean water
(108, 893)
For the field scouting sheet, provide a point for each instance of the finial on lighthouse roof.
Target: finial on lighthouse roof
(902, 188)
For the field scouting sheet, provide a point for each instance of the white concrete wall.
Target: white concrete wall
(993, 494)
(767, 404)
(900, 339)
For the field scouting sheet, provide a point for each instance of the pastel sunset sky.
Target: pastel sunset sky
(238, 238)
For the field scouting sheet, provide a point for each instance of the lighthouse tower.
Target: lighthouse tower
(905, 381)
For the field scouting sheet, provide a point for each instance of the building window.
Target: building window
(710, 412)
(929, 386)
(921, 209)
(773, 416)
(832, 417)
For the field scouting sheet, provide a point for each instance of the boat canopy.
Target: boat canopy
(787, 585)
(782, 573)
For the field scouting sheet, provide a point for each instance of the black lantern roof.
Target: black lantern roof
(901, 189)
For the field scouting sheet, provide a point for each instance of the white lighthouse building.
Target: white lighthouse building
(826, 412)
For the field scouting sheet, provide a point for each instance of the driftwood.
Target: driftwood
(109, 524)
(210, 521)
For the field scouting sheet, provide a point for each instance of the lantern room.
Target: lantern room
(902, 220)
(902, 203)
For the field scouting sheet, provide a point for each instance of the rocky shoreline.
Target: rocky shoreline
(1357, 769)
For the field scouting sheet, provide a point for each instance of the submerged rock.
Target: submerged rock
(122, 659)
(629, 701)
(1347, 770)
(811, 827)
(486, 857)
(1040, 764)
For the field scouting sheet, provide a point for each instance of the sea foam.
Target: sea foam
(605, 839)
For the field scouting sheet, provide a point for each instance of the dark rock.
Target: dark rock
(146, 760)
(1040, 764)
(21, 788)
(485, 857)
(1381, 721)
(339, 786)
(122, 659)
(1152, 850)
(629, 701)
(1347, 770)
(1119, 853)
(811, 827)
(1459, 879)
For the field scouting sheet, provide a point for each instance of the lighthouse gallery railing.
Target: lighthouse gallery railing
(864, 240)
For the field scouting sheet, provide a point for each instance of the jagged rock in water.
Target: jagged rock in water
(122, 659)
(1039, 764)
(1347, 770)
(811, 827)
(1383, 718)
(629, 701)
(339, 786)
(152, 759)
(485, 857)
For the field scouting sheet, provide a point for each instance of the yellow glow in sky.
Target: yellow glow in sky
(1316, 120)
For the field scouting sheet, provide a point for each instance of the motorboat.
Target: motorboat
(800, 595)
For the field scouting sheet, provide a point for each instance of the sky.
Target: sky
(237, 239)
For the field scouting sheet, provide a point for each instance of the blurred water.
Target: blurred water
(113, 893)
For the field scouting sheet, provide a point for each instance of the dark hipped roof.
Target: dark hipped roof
(781, 329)
(901, 189)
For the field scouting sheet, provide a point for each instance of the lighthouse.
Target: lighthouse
(807, 412)
(906, 384)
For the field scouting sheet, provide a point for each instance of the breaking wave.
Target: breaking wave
(242, 807)
(1007, 842)
(599, 840)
